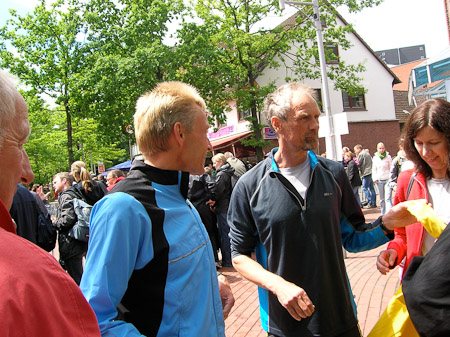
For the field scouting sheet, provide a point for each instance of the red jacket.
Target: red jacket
(408, 240)
(110, 187)
(37, 297)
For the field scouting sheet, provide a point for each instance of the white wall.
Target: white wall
(376, 80)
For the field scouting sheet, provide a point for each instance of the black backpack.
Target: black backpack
(46, 232)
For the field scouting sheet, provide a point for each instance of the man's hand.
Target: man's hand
(211, 203)
(40, 193)
(386, 260)
(295, 300)
(226, 295)
(399, 216)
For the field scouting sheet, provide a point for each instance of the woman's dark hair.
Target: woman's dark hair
(435, 113)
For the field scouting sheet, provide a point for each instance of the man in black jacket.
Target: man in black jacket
(71, 251)
(296, 211)
(221, 194)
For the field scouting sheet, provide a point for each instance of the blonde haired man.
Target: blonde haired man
(149, 253)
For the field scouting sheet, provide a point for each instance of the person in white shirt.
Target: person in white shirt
(381, 168)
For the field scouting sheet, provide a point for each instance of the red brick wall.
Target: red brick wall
(369, 134)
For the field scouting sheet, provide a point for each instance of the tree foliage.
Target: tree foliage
(94, 59)
(47, 53)
(245, 48)
(128, 56)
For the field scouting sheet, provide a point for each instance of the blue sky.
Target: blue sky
(393, 24)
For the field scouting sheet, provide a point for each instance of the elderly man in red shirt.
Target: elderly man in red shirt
(37, 297)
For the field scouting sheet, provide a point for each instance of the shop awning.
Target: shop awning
(228, 140)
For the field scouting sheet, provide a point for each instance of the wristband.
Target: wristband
(384, 228)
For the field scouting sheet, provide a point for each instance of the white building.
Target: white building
(371, 116)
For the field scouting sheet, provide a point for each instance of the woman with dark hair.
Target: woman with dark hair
(426, 144)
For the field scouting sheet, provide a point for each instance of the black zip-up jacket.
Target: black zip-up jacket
(301, 240)
(221, 190)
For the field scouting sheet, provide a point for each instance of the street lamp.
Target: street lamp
(332, 151)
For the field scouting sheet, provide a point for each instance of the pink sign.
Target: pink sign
(269, 133)
(221, 132)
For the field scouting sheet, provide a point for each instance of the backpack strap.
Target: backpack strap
(411, 182)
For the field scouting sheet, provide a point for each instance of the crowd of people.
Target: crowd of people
(156, 234)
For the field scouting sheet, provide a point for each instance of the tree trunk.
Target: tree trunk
(257, 132)
(69, 133)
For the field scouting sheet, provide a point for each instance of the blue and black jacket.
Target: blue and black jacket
(301, 240)
(149, 251)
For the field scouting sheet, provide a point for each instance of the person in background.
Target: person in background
(345, 149)
(24, 211)
(37, 297)
(426, 144)
(71, 251)
(237, 164)
(381, 168)
(297, 210)
(113, 177)
(399, 164)
(365, 169)
(149, 253)
(90, 191)
(220, 196)
(199, 194)
(101, 179)
(353, 174)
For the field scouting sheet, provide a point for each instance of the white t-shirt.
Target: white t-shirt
(299, 176)
(439, 195)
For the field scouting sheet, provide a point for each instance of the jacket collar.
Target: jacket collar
(162, 177)
(274, 166)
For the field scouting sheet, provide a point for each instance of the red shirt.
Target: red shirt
(37, 297)
(408, 240)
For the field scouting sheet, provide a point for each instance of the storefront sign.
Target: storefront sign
(269, 133)
(221, 132)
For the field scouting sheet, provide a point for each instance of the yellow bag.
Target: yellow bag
(395, 320)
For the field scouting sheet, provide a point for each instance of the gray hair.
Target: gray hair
(8, 94)
(278, 103)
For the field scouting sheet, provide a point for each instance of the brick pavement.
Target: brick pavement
(372, 292)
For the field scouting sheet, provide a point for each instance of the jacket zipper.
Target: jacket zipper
(303, 207)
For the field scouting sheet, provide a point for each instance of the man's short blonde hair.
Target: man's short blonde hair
(158, 110)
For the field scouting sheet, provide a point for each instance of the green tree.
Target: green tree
(46, 146)
(47, 53)
(129, 57)
(245, 48)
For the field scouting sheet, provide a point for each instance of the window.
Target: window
(353, 102)
(318, 97)
(332, 54)
(244, 113)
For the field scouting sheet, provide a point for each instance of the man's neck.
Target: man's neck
(287, 159)
(162, 161)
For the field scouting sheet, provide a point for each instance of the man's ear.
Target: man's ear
(179, 133)
(275, 120)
